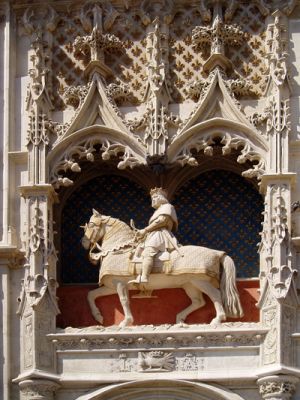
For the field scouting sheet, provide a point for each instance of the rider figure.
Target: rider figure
(157, 237)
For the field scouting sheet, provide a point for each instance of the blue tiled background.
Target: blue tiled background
(217, 209)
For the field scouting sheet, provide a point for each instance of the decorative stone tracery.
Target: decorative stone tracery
(155, 85)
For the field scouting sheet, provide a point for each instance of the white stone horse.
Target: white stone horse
(196, 269)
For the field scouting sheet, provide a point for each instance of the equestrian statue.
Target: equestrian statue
(151, 258)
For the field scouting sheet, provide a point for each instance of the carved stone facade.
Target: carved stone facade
(160, 92)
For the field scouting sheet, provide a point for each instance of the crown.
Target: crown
(160, 191)
(157, 353)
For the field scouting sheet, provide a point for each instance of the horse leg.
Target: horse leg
(215, 296)
(197, 301)
(92, 296)
(124, 299)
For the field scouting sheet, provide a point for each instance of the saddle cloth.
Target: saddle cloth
(194, 260)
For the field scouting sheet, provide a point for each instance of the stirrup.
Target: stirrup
(138, 280)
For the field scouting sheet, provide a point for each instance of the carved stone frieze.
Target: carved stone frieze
(157, 349)
(161, 338)
(189, 362)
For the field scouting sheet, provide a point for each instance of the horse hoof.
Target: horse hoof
(218, 320)
(126, 322)
(179, 320)
(181, 324)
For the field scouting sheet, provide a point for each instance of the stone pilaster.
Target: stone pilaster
(38, 305)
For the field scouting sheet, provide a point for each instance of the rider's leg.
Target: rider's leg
(147, 264)
(148, 257)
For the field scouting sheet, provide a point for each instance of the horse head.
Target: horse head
(93, 230)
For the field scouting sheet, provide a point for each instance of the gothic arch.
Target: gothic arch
(232, 135)
(81, 146)
(176, 389)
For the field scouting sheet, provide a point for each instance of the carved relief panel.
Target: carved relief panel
(143, 84)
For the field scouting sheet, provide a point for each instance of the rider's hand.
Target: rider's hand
(141, 233)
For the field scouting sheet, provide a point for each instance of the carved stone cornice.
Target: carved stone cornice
(38, 190)
(159, 337)
(12, 257)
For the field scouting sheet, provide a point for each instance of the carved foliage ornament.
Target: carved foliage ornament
(34, 289)
(38, 389)
(37, 22)
(198, 89)
(275, 244)
(96, 17)
(229, 142)
(277, 112)
(86, 150)
(277, 387)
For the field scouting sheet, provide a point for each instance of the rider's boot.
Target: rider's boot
(146, 269)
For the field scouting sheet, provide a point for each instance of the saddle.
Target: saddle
(163, 262)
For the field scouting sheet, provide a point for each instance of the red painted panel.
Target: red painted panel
(161, 309)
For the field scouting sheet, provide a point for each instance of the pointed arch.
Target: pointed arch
(231, 134)
(81, 146)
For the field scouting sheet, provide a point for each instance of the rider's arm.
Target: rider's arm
(160, 222)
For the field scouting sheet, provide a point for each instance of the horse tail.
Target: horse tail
(229, 293)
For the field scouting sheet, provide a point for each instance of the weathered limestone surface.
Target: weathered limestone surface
(143, 86)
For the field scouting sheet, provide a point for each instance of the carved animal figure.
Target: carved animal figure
(197, 270)
(156, 360)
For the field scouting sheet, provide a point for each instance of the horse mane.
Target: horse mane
(113, 220)
(118, 231)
